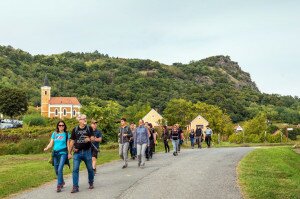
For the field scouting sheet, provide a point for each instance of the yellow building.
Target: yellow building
(60, 107)
(153, 117)
(198, 121)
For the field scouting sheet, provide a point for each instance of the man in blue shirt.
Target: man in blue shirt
(95, 144)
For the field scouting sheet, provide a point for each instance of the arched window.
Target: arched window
(74, 112)
(56, 112)
(45, 92)
(65, 112)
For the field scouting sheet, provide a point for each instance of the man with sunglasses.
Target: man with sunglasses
(81, 138)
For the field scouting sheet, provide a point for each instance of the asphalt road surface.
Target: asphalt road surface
(194, 173)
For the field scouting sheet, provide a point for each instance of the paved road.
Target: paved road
(204, 173)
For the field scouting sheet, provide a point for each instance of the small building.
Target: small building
(238, 129)
(198, 121)
(153, 117)
(60, 107)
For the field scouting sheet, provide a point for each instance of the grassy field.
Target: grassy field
(20, 172)
(272, 172)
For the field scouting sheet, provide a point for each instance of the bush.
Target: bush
(34, 120)
(274, 138)
(272, 129)
(253, 138)
(236, 138)
(214, 138)
(28, 146)
(109, 145)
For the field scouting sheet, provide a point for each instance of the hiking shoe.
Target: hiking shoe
(91, 186)
(58, 188)
(75, 189)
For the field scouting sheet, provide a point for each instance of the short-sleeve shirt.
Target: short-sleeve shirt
(97, 134)
(79, 134)
(60, 141)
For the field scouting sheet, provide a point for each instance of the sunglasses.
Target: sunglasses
(61, 125)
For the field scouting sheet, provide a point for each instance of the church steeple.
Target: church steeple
(45, 97)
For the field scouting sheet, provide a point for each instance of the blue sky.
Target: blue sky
(262, 36)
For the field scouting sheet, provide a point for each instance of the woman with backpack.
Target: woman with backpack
(60, 142)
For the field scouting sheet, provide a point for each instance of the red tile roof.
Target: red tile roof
(64, 100)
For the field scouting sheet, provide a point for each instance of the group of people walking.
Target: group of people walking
(199, 136)
(140, 141)
(84, 141)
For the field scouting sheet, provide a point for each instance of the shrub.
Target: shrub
(272, 129)
(214, 138)
(274, 138)
(253, 138)
(236, 138)
(27, 146)
(34, 120)
(109, 145)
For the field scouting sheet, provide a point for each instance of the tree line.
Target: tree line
(216, 81)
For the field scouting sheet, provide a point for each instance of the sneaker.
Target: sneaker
(124, 166)
(91, 186)
(139, 164)
(75, 189)
(63, 184)
(174, 153)
(58, 188)
(142, 165)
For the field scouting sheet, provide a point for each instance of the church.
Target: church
(58, 107)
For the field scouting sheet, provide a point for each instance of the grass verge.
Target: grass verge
(21, 172)
(270, 173)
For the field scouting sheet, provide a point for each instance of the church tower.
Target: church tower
(45, 97)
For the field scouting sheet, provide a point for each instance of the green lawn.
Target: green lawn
(272, 172)
(20, 172)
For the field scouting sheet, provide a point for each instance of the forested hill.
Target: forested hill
(215, 80)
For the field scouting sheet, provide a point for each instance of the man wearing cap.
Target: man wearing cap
(95, 144)
(81, 138)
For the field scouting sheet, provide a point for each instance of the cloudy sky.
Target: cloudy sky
(262, 36)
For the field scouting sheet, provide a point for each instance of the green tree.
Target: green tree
(257, 125)
(108, 117)
(179, 111)
(137, 111)
(13, 102)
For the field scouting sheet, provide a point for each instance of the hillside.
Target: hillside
(215, 80)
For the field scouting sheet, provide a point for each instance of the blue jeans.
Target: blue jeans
(59, 162)
(192, 142)
(86, 157)
(175, 144)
